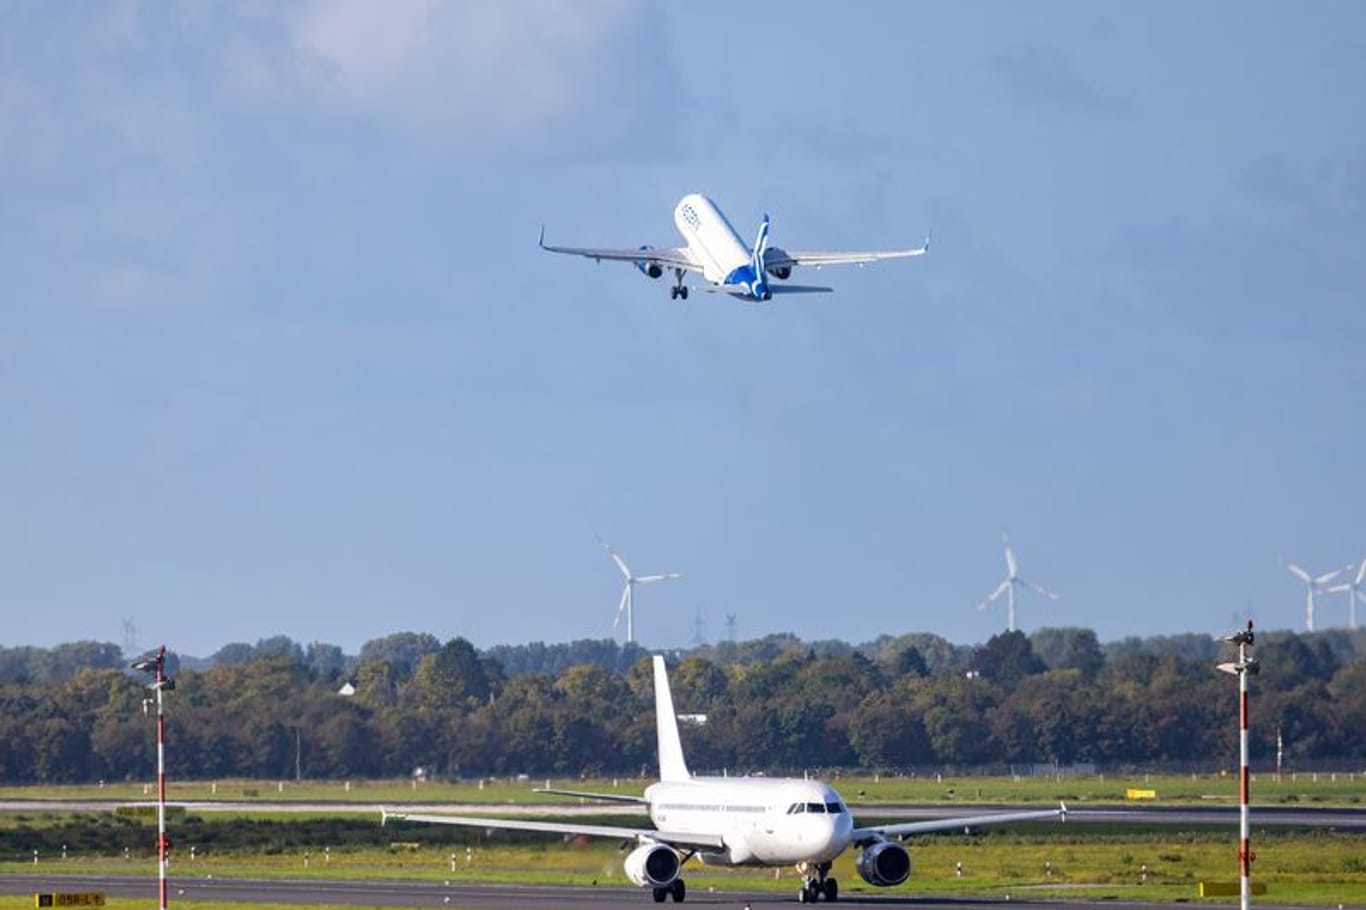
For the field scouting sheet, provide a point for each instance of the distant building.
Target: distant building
(348, 689)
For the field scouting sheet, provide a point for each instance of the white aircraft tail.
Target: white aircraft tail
(672, 767)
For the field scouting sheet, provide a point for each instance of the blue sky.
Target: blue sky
(278, 353)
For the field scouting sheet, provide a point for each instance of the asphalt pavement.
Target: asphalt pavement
(500, 897)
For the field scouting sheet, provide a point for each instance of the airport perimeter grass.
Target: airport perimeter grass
(1320, 789)
(25, 902)
(1325, 869)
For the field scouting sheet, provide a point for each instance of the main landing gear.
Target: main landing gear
(678, 290)
(675, 889)
(814, 887)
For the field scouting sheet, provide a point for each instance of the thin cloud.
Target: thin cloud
(1043, 78)
(530, 76)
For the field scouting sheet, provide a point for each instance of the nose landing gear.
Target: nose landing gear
(814, 887)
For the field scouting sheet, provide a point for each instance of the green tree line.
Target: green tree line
(773, 704)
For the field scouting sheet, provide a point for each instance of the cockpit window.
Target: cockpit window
(834, 808)
(815, 807)
(796, 808)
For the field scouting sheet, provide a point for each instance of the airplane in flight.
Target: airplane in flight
(739, 821)
(714, 250)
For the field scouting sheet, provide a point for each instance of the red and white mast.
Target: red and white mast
(1244, 666)
(156, 664)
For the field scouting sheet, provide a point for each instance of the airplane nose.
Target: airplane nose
(837, 837)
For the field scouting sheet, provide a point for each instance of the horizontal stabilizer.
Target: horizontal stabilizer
(773, 288)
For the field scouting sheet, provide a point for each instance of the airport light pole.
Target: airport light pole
(156, 664)
(1245, 665)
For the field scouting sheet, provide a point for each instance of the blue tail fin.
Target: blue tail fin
(760, 247)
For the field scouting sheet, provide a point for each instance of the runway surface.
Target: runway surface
(498, 897)
(1346, 819)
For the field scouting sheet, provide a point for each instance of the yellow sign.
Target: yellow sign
(69, 899)
(143, 810)
(1140, 794)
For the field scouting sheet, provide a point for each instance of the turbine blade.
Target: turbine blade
(1296, 570)
(616, 558)
(1012, 567)
(1037, 588)
(1327, 577)
(646, 579)
(621, 604)
(1361, 573)
(1000, 589)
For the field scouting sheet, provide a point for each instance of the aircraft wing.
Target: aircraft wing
(640, 835)
(866, 835)
(671, 257)
(584, 794)
(818, 258)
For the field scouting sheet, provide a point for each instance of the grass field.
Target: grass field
(1299, 868)
(25, 902)
(1308, 869)
(1324, 789)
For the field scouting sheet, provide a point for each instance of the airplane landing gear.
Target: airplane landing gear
(814, 887)
(678, 290)
(675, 889)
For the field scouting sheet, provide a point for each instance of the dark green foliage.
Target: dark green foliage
(1069, 649)
(1006, 658)
(771, 705)
(539, 657)
(40, 665)
(402, 650)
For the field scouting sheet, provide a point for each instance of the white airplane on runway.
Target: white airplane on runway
(716, 252)
(740, 821)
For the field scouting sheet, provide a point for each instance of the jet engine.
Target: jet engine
(783, 271)
(649, 266)
(655, 865)
(884, 864)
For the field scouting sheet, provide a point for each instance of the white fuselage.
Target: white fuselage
(710, 237)
(762, 821)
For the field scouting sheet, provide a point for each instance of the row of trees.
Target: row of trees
(456, 712)
(1058, 648)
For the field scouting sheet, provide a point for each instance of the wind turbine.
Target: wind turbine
(1008, 586)
(627, 603)
(1355, 589)
(1313, 585)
